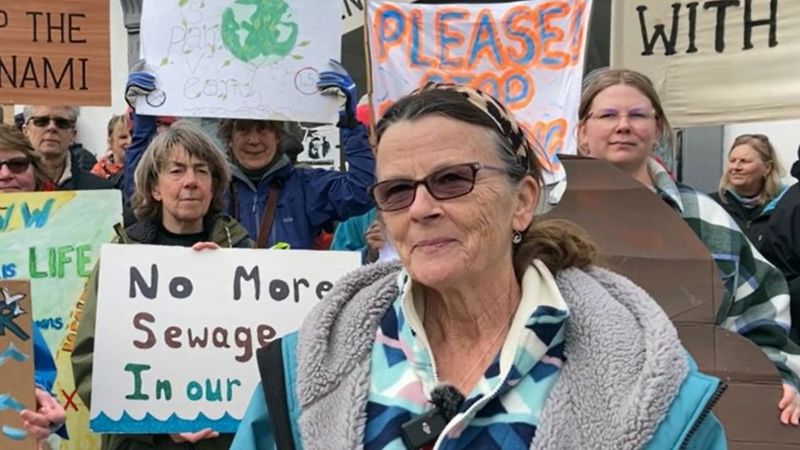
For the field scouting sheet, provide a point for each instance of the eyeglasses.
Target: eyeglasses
(43, 121)
(16, 165)
(444, 184)
(610, 118)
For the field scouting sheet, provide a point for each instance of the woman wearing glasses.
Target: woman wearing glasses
(20, 172)
(751, 186)
(621, 121)
(463, 344)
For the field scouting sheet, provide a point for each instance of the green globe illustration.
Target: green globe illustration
(258, 31)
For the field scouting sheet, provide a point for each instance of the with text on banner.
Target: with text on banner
(527, 54)
(690, 49)
(177, 330)
(46, 238)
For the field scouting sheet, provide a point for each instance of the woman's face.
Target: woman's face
(184, 188)
(447, 242)
(254, 143)
(621, 128)
(746, 170)
(119, 140)
(16, 172)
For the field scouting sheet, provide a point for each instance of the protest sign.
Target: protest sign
(529, 55)
(16, 364)
(256, 60)
(321, 149)
(53, 239)
(708, 59)
(177, 330)
(55, 53)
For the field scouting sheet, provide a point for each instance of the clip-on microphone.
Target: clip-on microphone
(426, 428)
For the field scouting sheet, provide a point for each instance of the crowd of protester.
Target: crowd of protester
(450, 191)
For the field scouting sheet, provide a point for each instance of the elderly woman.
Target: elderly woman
(751, 184)
(20, 172)
(493, 333)
(178, 199)
(621, 121)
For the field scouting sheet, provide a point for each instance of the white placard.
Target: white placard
(177, 330)
(321, 149)
(240, 60)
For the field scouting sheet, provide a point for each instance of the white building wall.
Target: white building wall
(784, 135)
(93, 120)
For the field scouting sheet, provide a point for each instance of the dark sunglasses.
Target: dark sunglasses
(16, 165)
(43, 121)
(444, 184)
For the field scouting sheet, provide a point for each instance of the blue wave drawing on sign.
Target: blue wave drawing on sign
(13, 353)
(8, 402)
(15, 434)
(172, 424)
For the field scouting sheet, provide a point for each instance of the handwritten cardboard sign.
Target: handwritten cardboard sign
(55, 52)
(16, 364)
(690, 50)
(53, 239)
(529, 55)
(177, 330)
(240, 59)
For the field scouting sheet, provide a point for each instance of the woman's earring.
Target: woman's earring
(516, 238)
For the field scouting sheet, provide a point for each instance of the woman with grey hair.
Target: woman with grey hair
(178, 201)
(493, 331)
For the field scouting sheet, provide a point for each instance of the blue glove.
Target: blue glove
(339, 81)
(140, 82)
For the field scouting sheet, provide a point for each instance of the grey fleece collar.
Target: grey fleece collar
(624, 363)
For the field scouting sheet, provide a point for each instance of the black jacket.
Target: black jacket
(82, 179)
(752, 221)
(781, 244)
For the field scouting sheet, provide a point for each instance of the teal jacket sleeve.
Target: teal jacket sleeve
(349, 235)
(689, 423)
(44, 368)
(254, 431)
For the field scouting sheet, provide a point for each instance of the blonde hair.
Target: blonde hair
(602, 79)
(155, 158)
(114, 121)
(772, 181)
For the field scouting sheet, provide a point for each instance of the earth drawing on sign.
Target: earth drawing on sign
(259, 31)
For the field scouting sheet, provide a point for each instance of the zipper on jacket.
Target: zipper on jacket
(427, 344)
(704, 413)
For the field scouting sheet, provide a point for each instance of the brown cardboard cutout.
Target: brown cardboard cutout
(16, 364)
(641, 237)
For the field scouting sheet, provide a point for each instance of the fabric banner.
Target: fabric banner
(177, 330)
(528, 54)
(240, 59)
(713, 62)
(16, 364)
(53, 239)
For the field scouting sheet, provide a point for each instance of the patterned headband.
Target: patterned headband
(505, 123)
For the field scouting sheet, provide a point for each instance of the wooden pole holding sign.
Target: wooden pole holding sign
(373, 134)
